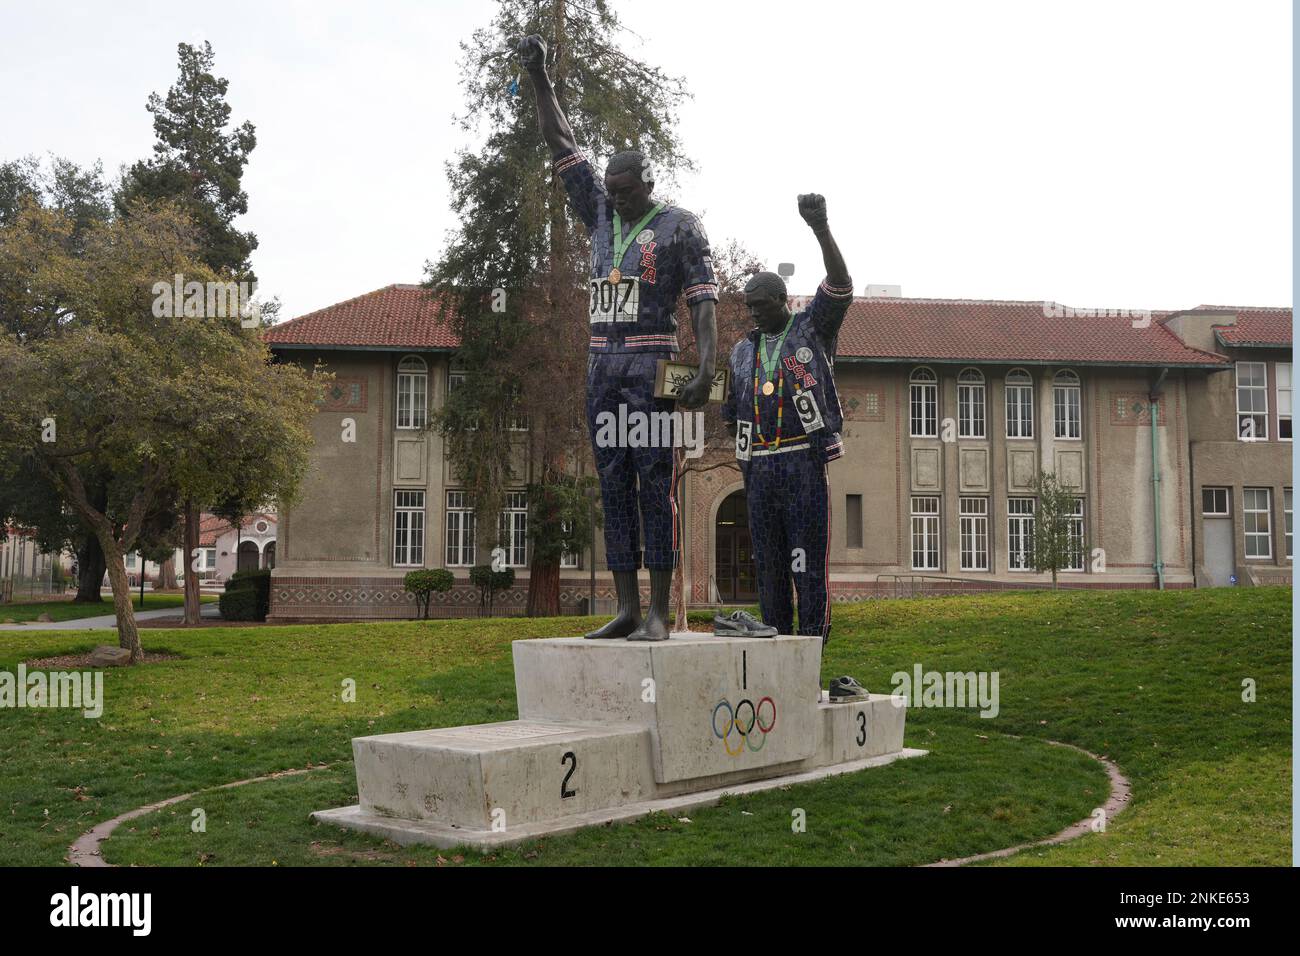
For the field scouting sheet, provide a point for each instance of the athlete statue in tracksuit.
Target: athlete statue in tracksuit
(644, 255)
(784, 411)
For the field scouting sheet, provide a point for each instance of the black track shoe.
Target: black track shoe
(741, 624)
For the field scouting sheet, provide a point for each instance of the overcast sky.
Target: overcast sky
(1132, 154)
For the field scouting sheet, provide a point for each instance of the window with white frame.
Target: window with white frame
(1283, 372)
(1252, 401)
(974, 527)
(1066, 405)
(513, 528)
(568, 560)
(1020, 534)
(1074, 533)
(209, 559)
(1020, 404)
(1216, 502)
(460, 531)
(970, 404)
(412, 392)
(408, 528)
(1257, 519)
(1286, 513)
(925, 533)
(924, 403)
(130, 561)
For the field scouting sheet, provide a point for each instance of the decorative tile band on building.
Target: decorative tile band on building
(377, 598)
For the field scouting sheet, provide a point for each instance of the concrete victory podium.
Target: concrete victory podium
(611, 730)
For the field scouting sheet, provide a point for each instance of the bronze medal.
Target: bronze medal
(768, 388)
(615, 276)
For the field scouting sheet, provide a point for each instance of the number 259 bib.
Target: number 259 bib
(612, 302)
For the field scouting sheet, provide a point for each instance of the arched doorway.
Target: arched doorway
(733, 556)
(248, 558)
(268, 555)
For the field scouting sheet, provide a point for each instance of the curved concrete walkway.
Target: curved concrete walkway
(85, 852)
(106, 622)
(1120, 794)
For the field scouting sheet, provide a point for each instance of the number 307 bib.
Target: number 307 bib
(612, 302)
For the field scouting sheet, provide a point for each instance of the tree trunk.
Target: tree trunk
(191, 576)
(90, 571)
(128, 636)
(166, 580)
(679, 580)
(544, 589)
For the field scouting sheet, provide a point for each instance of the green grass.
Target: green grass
(1152, 680)
(67, 611)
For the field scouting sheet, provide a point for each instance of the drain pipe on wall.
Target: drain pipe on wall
(1153, 406)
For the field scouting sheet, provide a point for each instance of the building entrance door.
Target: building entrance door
(1218, 551)
(734, 573)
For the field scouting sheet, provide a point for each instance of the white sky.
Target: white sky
(1131, 154)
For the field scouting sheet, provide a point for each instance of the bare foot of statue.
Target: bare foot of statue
(655, 627)
(628, 618)
(621, 626)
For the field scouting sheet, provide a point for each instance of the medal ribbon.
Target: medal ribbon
(769, 361)
(621, 242)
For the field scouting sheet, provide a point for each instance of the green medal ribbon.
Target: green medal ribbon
(770, 361)
(620, 242)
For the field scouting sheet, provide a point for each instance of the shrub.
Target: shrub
(240, 605)
(425, 583)
(256, 583)
(490, 583)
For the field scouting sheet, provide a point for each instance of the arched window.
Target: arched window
(412, 392)
(1066, 405)
(1020, 404)
(924, 403)
(970, 404)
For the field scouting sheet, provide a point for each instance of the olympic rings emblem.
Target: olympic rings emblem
(736, 721)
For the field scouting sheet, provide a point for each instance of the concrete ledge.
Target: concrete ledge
(427, 832)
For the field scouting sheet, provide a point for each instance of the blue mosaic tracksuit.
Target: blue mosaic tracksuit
(783, 452)
(633, 326)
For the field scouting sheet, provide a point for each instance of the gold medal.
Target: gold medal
(615, 276)
(768, 388)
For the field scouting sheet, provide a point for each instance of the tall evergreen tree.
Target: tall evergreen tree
(198, 164)
(511, 279)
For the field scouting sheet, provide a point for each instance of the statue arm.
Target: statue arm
(550, 118)
(704, 322)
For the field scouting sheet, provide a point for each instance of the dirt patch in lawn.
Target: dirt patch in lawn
(82, 661)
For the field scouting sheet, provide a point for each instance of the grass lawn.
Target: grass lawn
(1151, 680)
(67, 611)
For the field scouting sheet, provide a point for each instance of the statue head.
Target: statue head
(629, 180)
(765, 298)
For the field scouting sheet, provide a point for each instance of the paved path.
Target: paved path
(86, 852)
(1120, 793)
(105, 622)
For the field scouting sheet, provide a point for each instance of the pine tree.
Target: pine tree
(512, 278)
(198, 163)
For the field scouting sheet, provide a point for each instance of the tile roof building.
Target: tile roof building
(952, 408)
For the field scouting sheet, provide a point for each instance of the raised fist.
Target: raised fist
(532, 53)
(812, 206)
